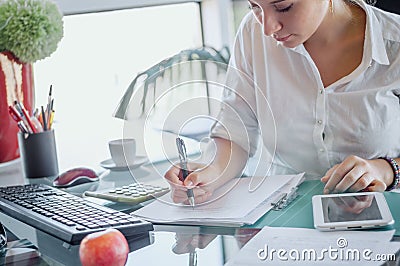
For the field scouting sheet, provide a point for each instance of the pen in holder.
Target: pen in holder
(38, 154)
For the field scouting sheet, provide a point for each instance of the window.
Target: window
(240, 9)
(96, 60)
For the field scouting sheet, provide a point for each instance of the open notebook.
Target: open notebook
(240, 201)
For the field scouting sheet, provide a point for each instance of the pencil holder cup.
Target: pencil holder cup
(38, 154)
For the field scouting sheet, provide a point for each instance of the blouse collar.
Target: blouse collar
(374, 45)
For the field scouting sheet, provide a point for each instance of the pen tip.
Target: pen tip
(191, 201)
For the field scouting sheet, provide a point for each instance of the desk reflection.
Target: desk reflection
(183, 245)
(188, 243)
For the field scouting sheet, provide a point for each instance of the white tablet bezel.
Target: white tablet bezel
(320, 224)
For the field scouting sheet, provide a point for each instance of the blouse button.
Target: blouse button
(319, 122)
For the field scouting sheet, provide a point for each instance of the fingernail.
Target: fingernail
(189, 184)
(326, 191)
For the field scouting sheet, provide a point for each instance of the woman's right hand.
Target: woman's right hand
(201, 180)
(229, 162)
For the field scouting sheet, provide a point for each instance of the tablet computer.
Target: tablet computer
(351, 211)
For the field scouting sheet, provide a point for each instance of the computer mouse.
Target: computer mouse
(75, 176)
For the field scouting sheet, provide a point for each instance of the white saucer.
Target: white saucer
(109, 164)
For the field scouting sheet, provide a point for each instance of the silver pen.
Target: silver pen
(183, 162)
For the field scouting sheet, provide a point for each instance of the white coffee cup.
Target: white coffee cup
(123, 151)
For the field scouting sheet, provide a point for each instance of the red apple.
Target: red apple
(107, 247)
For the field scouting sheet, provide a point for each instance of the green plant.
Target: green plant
(204, 55)
(30, 29)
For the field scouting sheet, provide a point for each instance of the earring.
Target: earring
(331, 6)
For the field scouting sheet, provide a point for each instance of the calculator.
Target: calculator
(132, 194)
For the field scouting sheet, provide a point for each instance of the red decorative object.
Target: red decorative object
(16, 84)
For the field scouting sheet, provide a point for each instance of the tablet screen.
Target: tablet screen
(350, 208)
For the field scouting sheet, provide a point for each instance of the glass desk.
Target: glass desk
(167, 244)
(171, 245)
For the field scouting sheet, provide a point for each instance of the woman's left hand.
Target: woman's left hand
(356, 174)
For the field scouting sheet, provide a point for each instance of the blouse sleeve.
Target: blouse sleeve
(237, 119)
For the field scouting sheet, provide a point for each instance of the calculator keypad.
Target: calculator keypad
(133, 193)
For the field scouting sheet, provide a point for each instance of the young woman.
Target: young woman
(319, 81)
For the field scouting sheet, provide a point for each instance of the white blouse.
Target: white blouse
(277, 93)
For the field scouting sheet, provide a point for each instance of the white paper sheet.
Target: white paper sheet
(232, 204)
(331, 248)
